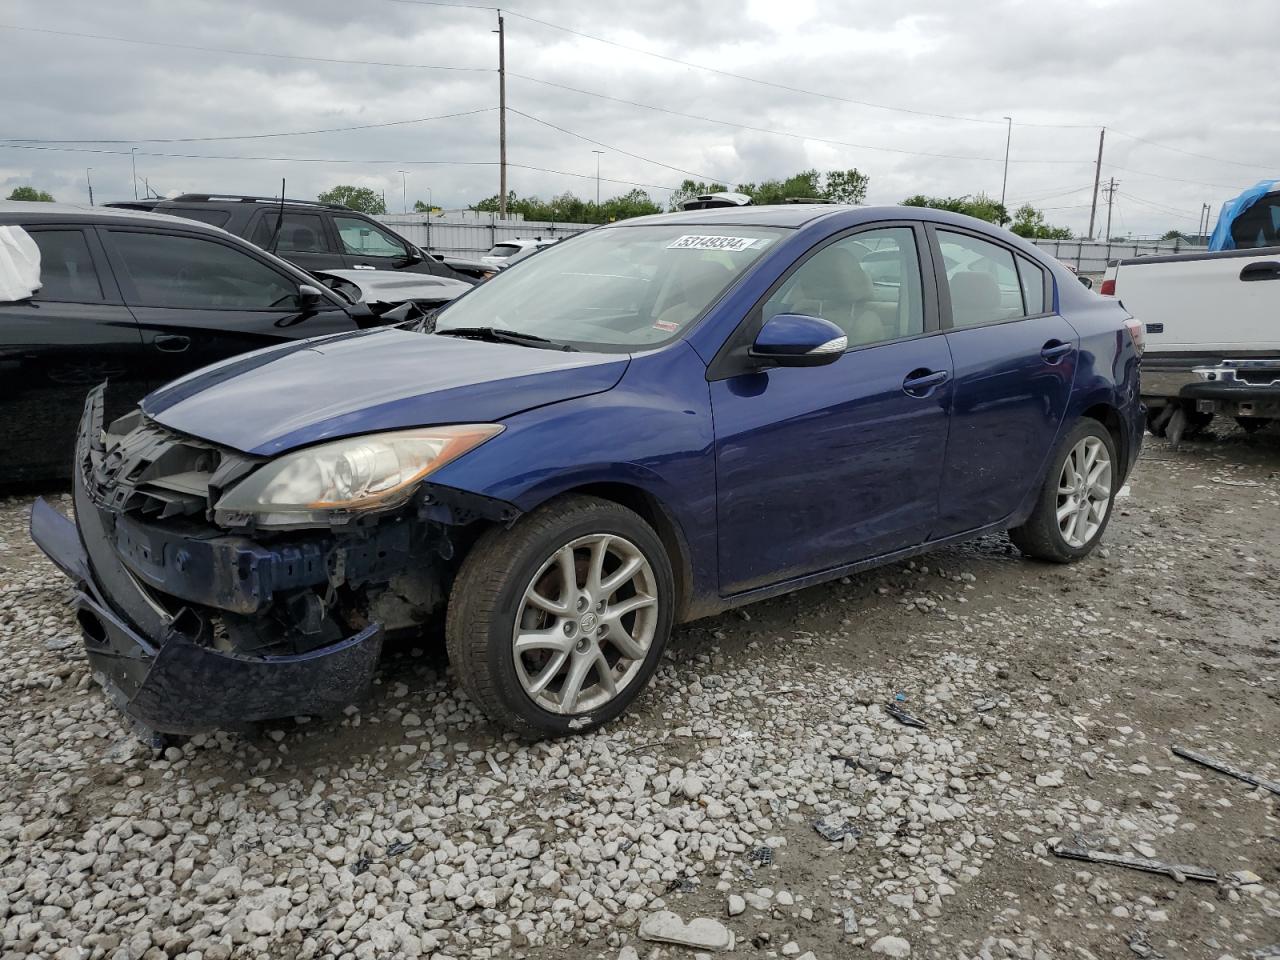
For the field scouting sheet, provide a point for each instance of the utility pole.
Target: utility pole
(502, 118)
(1008, 137)
(1111, 194)
(597, 153)
(89, 180)
(1097, 176)
(1206, 211)
(404, 196)
(133, 163)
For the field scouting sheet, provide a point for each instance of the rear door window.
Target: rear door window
(181, 271)
(67, 273)
(299, 233)
(982, 280)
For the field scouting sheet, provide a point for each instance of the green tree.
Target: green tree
(420, 207)
(690, 189)
(1029, 222)
(30, 193)
(806, 183)
(357, 198)
(846, 186)
(1175, 235)
(568, 208)
(982, 207)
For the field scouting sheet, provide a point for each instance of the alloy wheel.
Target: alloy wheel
(586, 623)
(1084, 492)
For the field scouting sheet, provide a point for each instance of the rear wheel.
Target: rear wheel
(1252, 424)
(1075, 500)
(556, 625)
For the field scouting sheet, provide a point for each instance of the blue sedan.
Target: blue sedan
(649, 423)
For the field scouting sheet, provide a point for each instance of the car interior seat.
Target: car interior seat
(833, 285)
(975, 298)
(303, 239)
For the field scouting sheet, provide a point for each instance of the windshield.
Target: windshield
(617, 287)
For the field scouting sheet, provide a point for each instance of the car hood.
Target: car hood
(397, 286)
(300, 393)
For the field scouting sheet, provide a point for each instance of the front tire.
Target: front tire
(556, 624)
(1074, 505)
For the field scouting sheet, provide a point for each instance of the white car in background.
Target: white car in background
(509, 251)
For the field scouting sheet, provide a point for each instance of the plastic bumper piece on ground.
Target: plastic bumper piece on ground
(172, 684)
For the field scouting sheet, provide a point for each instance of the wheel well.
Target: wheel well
(1109, 417)
(655, 514)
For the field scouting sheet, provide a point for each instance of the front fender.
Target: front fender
(651, 433)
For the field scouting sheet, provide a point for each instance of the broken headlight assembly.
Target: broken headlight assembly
(324, 484)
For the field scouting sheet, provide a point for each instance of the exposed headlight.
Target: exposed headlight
(321, 483)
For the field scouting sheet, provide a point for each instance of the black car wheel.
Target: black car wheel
(556, 624)
(1074, 505)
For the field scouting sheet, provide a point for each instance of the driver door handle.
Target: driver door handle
(171, 343)
(1055, 350)
(921, 383)
(1265, 270)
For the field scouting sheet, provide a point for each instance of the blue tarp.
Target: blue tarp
(1221, 238)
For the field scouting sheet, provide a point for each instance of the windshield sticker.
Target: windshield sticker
(693, 242)
(666, 326)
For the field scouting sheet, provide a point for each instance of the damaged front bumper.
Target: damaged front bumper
(190, 628)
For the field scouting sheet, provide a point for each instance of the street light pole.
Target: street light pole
(89, 181)
(1004, 186)
(597, 153)
(133, 163)
(404, 196)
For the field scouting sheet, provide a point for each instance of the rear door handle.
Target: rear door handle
(171, 343)
(920, 383)
(1266, 270)
(1055, 350)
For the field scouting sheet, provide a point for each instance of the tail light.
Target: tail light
(1137, 333)
(1108, 288)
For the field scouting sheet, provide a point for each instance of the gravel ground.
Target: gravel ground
(1052, 696)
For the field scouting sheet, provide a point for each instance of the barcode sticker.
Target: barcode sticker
(694, 242)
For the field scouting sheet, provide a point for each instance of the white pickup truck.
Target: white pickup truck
(1212, 325)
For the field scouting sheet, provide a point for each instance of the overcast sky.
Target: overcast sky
(1192, 75)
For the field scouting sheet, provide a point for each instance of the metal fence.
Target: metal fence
(470, 234)
(1090, 256)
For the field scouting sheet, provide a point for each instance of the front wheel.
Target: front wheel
(1075, 501)
(556, 624)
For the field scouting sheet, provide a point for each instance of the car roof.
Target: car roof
(767, 215)
(26, 211)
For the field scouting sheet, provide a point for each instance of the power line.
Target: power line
(342, 160)
(241, 53)
(607, 146)
(257, 136)
(778, 133)
(765, 83)
(1189, 153)
(1160, 176)
(1160, 207)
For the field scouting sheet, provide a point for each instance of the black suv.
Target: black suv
(136, 299)
(315, 236)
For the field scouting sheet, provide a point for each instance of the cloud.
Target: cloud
(1178, 72)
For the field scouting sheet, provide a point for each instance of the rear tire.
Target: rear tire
(1076, 496)
(534, 628)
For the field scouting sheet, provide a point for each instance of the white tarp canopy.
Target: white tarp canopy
(19, 265)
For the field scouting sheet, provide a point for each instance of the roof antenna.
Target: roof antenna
(275, 237)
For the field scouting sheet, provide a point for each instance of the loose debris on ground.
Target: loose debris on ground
(409, 827)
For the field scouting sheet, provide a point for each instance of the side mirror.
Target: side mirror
(795, 340)
(1087, 281)
(309, 297)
